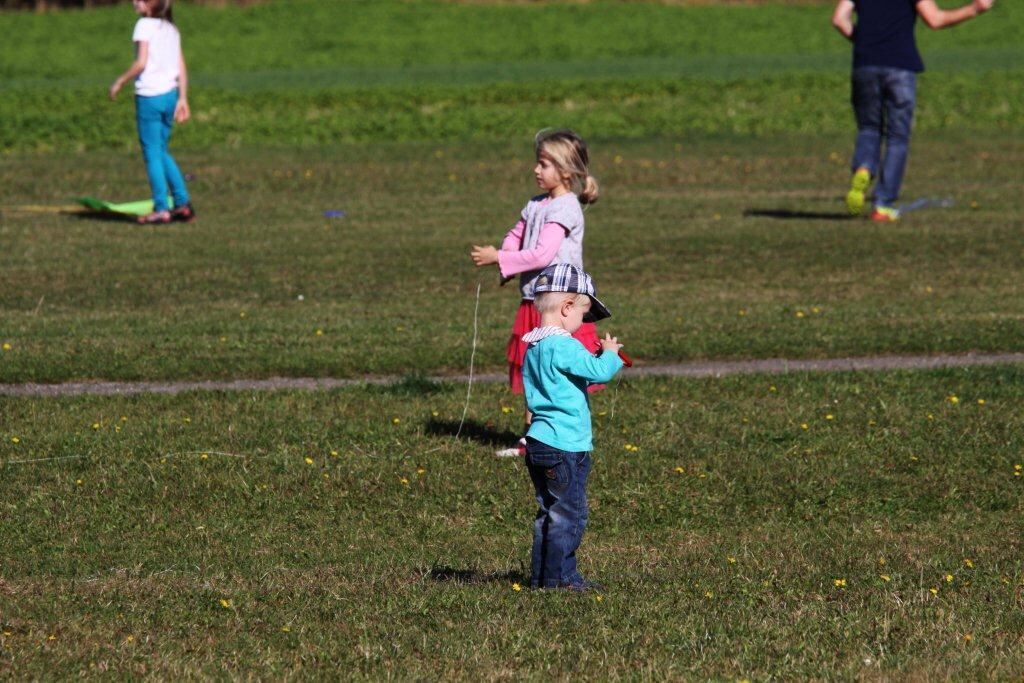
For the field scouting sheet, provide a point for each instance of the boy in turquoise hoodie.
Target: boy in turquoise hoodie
(556, 372)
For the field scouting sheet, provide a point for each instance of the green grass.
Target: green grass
(373, 71)
(686, 273)
(398, 555)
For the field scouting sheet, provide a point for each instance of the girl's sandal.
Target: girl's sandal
(185, 213)
(155, 218)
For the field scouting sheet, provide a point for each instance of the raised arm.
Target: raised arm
(137, 67)
(842, 18)
(937, 18)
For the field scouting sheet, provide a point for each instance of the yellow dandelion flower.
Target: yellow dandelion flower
(420, 470)
(15, 439)
(404, 481)
(506, 410)
(78, 482)
(434, 413)
(516, 587)
(981, 401)
(680, 470)
(804, 425)
(772, 388)
(970, 565)
(334, 454)
(286, 629)
(815, 310)
(129, 639)
(968, 637)
(204, 456)
(95, 425)
(885, 577)
(933, 591)
(732, 560)
(395, 420)
(51, 637)
(225, 603)
(930, 416)
(709, 594)
(800, 314)
(309, 460)
(6, 347)
(742, 312)
(881, 560)
(326, 476)
(599, 598)
(319, 332)
(953, 399)
(602, 413)
(839, 583)
(242, 314)
(187, 420)
(949, 578)
(830, 416)
(124, 418)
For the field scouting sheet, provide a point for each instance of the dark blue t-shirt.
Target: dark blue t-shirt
(884, 34)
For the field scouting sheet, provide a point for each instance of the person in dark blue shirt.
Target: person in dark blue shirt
(884, 88)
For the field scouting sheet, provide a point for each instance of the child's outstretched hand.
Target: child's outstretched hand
(484, 256)
(610, 343)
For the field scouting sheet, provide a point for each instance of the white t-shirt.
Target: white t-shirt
(161, 73)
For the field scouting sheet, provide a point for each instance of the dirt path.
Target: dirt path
(688, 369)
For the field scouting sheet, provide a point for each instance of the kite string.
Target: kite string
(472, 359)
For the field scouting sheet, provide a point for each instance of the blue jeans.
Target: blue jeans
(154, 117)
(560, 482)
(883, 102)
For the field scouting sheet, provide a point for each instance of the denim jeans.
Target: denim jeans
(154, 117)
(883, 102)
(560, 482)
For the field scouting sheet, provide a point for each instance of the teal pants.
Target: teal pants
(154, 117)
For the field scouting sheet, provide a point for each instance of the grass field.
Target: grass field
(312, 73)
(687, 271)
(347, 531)
(828, 526)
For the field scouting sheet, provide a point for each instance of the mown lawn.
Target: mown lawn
(304, 73)
(837, 526)
(717, 248)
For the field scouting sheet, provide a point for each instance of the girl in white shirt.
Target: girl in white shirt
(161, 98)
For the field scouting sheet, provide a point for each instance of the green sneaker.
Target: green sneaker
(858, 186)
(885, 214)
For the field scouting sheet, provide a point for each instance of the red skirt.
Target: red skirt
(527, 318)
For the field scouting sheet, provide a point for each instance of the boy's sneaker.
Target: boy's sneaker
(517, 451)
(185, 214)
(885, 214)
(858, 188)
(584, 586)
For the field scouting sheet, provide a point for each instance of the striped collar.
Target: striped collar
(538, 333)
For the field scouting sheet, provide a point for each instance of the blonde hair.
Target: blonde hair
(569, 154)
(550, 301)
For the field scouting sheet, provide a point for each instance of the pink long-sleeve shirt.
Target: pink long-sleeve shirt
(513, 260)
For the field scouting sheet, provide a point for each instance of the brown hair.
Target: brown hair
(569, 153)
(161, 9)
